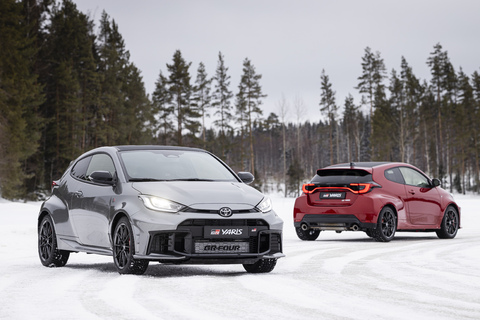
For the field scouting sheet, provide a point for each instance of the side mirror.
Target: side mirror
(246, 177)
(436, 182)
(103, 177)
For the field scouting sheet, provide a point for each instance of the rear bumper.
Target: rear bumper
(361, 215)
(337, 222)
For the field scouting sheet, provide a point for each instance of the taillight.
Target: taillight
(360, 188)
(54, 184)
(357, 188)
(308, 188)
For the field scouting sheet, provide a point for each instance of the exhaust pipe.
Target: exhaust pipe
(304, 226)
(355, 227)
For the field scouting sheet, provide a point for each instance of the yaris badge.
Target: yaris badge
(225, 212)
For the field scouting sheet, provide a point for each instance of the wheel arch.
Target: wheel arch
(119, 215)
(394, 209)
(453, 204)
(42, 215)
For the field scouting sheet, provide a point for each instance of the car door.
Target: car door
(422, 199)
(90, 207)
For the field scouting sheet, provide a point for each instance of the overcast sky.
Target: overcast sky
(290, 42)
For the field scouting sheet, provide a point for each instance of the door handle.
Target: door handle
(78, 194)
(411, 191)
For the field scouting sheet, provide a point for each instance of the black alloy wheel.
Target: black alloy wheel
(124, 248)
(48, 251)
(450, 224)
(386, 225)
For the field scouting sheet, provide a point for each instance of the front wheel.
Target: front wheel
(261, 266)
(123, 249)
(449, 225)
(307, 235)
(386, 225)
(48, 251)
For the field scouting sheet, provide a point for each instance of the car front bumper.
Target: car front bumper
(196, 238)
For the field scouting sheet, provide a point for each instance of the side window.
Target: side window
(79, 170)
(101, 162)
(394, 175)
(414, 178)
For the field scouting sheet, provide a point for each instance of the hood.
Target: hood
(203, 195)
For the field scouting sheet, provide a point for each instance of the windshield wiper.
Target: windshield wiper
(144, 179)
(191, 179)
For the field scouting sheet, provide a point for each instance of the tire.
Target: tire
(307, 235)
(370, 232)
(48, 251)
(386, 225)
(261, 266)
(123, 249)
(449, 225)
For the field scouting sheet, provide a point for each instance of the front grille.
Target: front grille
(223, 222)
(190, 232)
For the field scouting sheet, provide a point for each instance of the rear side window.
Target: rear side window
(79, 170)
(394, 175)
(341, 177)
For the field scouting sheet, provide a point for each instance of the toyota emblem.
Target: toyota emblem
(225, 212)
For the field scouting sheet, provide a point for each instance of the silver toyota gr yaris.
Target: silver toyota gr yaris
(157, 203)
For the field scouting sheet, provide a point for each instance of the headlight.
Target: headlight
(160, 204)
(265, 205)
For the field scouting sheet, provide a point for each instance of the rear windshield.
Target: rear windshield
(341, 177)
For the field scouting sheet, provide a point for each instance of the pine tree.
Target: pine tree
(251, 92)
(443, 83)
(371, 80)
(180, 91)
(202, 97)
(71, 87)
(163, 110)
(329, 108)
(222, 102)
(20, 96)
(114, 60)
(413, 94)
(352, 127)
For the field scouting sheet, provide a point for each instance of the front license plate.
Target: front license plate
(222, 247)
(332, 195)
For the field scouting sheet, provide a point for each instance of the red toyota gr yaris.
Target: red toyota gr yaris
(378, 198)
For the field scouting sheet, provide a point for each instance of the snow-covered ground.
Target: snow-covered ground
(339, 276)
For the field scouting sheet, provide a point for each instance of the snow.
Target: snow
(339, 276)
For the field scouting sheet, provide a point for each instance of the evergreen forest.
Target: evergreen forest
(66, 88)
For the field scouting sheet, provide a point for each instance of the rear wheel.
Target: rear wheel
(307, 235)
(123, 249)
(261, 266)
(48, 251)
(370, 232)
(386, 225)
(449, 226)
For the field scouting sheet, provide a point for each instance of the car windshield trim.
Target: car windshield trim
(167, 180)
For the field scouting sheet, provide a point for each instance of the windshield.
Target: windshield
(173, 165)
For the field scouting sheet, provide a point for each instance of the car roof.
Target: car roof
(366, 166)
(359, 165)
(154, 147)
